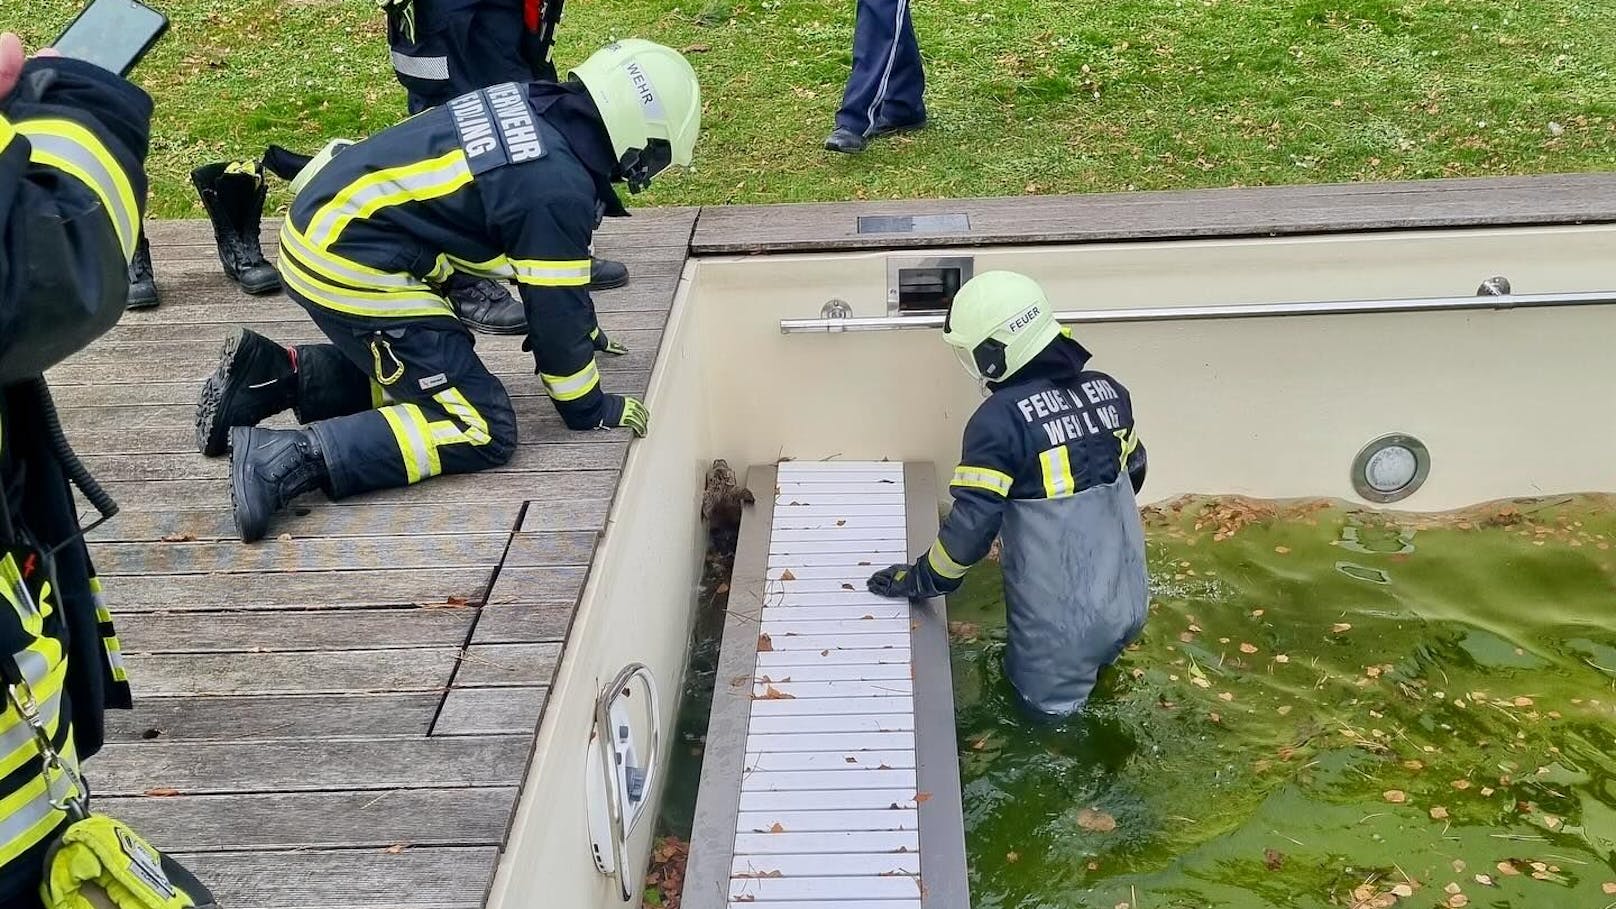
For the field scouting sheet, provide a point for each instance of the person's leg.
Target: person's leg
(439, 411)
(142, 280)
(875, 47)
(903, 106)
(257, 378)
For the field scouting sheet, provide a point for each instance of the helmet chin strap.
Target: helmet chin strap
(639, 165)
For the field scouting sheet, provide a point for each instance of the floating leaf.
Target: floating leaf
(1225, 695)
(1281, 658)
(1460, 784)
(1609, 887)
(1248, 648)
(1395, 796)
(1013, 857)
(1508, 869)
(1096, 821)
(1484, 880)
(1403, 890)
(1282, 550)
(1523, 702)
(1439, 813)
(1273, 859)
(1341, 627)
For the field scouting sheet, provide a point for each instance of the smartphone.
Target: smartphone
(112, 34)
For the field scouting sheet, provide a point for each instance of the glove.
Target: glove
(897, 581)
(101, 862)
(632, 415)
(606, 345)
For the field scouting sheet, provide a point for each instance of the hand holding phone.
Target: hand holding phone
(112, 34)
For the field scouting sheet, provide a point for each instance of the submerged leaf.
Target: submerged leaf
(1096, 821)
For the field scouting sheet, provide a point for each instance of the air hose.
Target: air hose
(76, 472)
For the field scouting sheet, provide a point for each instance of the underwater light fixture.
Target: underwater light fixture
(1391, 468)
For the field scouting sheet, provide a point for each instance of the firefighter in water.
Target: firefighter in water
(503, 182)
(443, 49)
(1052, 462)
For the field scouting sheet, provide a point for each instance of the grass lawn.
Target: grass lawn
(1026, 96)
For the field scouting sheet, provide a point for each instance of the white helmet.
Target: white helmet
(316, 163)
(650, 100)
(997, 323)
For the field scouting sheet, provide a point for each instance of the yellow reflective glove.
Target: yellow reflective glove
(99, 862)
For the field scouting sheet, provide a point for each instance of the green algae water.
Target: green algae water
(1327, 708)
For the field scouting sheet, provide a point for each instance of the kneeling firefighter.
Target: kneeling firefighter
(1052, 462)
(502, 182)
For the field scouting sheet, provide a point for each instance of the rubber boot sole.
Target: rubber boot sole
(480, 328)
(213, 439)
(138, 302)
(609, 285)
(260, 288)
(251, 525)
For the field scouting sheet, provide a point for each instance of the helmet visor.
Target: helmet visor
(639, 165)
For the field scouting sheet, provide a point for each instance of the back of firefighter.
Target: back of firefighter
(502, 182)
(72, 188)
(1052, 462)
(443, 49)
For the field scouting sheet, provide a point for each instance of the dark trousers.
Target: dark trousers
(412, 401)
(887, 86)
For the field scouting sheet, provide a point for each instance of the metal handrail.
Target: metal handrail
(1229, 311)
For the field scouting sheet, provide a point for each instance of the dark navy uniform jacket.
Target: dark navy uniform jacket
(445, 48)
(484, 185)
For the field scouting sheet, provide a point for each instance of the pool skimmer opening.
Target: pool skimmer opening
(1391, 468)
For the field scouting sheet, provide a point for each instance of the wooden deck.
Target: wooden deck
(340, 717)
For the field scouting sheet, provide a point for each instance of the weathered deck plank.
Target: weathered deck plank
(344, 728)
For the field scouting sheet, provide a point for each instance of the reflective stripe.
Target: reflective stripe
(1058, 481)
(573, 387)
(1130, 441)
(378, 304)
(378, 395)
(430, 179)
(336, 268)
(412, 444)
(45, 678)
(109, 639)
(475, 427)
(7, 133)
(441, 271)
(27, 816)
(497, 267)
(982, 478)
(435, 68)
(76, 151)
(544, 273)
(943, 563)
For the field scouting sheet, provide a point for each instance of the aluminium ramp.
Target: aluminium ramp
(831, 778)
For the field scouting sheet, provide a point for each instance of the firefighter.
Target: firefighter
(1052, 462)
(443, 49)
(73, 141)
(501, 182)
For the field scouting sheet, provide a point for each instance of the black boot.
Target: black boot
(485, 305)
(234, 194)
(256, 379)
(268, 469)
(605, 274)
(142, 283)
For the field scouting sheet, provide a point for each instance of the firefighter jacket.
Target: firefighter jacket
(442, 49)
(1051, 462)
(72, 188)
(484, 185)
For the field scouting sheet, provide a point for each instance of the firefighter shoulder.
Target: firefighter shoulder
(1051, 463)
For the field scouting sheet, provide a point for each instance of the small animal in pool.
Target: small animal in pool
(722, 502)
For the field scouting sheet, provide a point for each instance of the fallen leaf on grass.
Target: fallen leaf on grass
(765, 644)
(1395, 796)
(1460, 784)
(1096, 821)
(1523, 702)
(1225, 695)
(162, 792)
(698, 48)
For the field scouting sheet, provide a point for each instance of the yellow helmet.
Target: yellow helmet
(998, 322)
(650, 100)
